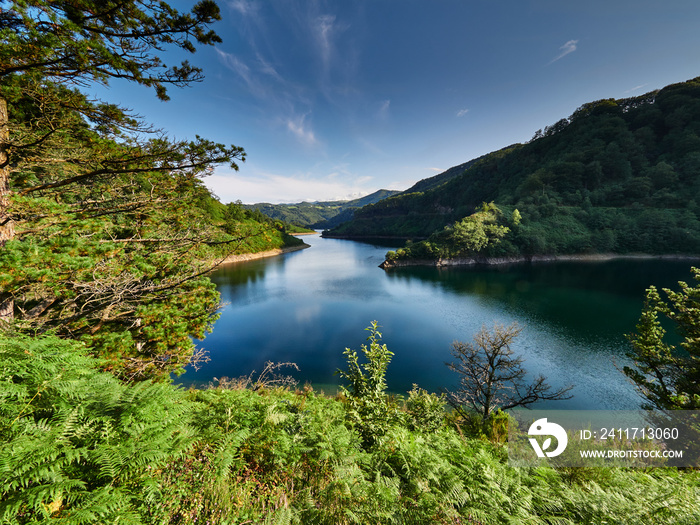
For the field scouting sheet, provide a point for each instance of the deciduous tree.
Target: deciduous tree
(369, 408)
(492, 378)
(477, 231)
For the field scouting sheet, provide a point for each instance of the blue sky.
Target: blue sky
(337, 99)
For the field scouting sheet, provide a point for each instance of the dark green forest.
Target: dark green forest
(617, 176)
(107, 238)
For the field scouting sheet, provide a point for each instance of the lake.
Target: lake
(308, 306)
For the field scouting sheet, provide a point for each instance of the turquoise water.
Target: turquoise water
(307, 306)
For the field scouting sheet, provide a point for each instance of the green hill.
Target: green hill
(441, 178)
(617, 176)
(255, 231)
(327, 214)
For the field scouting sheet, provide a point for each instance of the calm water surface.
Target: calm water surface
(308, 306)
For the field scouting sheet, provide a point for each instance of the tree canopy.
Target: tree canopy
(667, 375)
(85, 40)
(111, 228)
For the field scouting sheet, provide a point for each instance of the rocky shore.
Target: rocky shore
(472, 261)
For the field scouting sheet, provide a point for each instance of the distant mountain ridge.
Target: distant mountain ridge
(319, 214)
(617, 176)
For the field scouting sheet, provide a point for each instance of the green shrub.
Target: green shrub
(369, 409)
(426, 411)
(75, 443)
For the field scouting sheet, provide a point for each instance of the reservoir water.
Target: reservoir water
(308, 306)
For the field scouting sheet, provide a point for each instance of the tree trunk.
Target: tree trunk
(7, 226)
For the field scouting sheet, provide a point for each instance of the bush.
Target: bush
(426, 411)
(370, 410)
(77, 445)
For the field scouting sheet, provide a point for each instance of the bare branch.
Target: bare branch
(491, 377)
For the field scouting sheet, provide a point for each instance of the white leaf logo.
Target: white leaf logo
(542, 427)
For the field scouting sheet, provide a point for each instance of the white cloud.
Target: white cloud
(268, 69)
(280, 99)
(567, 48)
(337, 62)
(243, 7)
(230, 186)
(462, 112)
(323, 27)
(302, 131)
(384, 109)
(252, 75)
(636, 88)
(236, 65)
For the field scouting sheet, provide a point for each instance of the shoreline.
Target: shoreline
(243, 257)
(494, 261)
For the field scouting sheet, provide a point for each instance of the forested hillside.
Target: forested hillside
(616, 176)
(323, 214)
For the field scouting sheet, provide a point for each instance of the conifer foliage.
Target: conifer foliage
(668, 376)
(84, 40)
(111, 234)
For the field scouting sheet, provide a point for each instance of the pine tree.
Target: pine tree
(97, 242)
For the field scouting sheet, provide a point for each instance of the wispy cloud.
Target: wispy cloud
(268, 69)
(566, 49)
(256, 74)
(275, 93)
(302, 131)
(384, 109)
(462, 112)
(239, 67)
(336, 54)
(244, 7)
(636, 88)
(323, 27)
(371, 146)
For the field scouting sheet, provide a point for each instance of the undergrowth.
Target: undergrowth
(78, 447)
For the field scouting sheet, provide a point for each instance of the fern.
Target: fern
(78, 447)
(75, 441)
